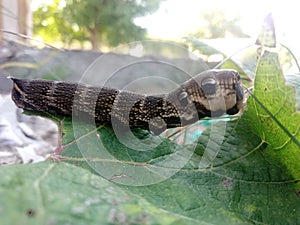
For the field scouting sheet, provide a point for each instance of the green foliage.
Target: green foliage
(280, 100)
(238, 174)
(216, 25)
(51, 24)
(105, 22)
(59, 193)
(242, 171)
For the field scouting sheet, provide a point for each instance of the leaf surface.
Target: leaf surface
(242, 171)
(236, 173)
(230, 178)
(282, 134)
(60, 193)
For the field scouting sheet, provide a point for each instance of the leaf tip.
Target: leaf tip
(267, 36)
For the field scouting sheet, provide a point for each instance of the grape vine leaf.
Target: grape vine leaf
(252, 179)
(237, 173)
(280, 127)
(242, 185)
(244, 171)
(60, 193)
(272, 106)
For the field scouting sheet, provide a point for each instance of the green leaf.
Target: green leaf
(279, 125)
(59, 193)
(239, 169)
(230, 178)
(236, 173)
(126, 160)
(243, 171)
(240, 186)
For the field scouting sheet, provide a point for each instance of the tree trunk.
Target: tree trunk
(23, 19)
(94, 38)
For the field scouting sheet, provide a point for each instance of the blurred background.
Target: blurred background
(102, 23)
(90, 40)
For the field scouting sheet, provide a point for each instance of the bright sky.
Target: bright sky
(176, 18)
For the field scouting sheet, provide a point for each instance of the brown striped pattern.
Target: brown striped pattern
(211, 93)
